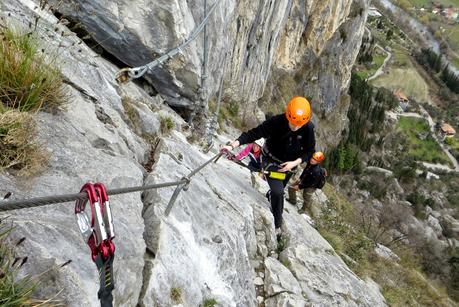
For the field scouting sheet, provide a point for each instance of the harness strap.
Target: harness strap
(267, 153)
(106, 280)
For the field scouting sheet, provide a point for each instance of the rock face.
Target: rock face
(220, 230)
(314, 58)
(274, 50)
(90, 139)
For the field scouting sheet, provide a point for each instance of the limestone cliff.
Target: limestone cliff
(274, 50)
(218, 242)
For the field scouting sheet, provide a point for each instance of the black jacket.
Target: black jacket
(281, 142)
(310, 176)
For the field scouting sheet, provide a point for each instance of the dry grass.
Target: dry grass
(13, 292)
(18, 151)
(406, 79)
(27, 81)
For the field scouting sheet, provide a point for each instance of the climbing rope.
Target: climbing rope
(127, 74)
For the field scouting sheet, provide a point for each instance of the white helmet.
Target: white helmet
(260, 142)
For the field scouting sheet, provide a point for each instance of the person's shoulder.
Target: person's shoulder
(279, 117)
(309, 125)
(276, 119)
(317, 169)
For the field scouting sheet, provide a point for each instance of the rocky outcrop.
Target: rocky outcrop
(219, 237)
(450, 226)
(274, 50)
(89, 139)
(324, 278)
(315, 57)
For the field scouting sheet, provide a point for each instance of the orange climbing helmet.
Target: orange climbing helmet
(318, 156)
(298, 111)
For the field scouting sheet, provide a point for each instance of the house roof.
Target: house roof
(446, 128)
(400, 95)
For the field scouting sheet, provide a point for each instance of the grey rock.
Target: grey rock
(306, 49)
(430, 176)
(217, 239)
(386, 253)
(87, 140)
(429, 210)
(279, 279)
(183, 258)
(435, 214)
(385, 172)
(435, 225)
(258, 281)
(286, 299)
(148, 122)
(450, 226)
(260, 299)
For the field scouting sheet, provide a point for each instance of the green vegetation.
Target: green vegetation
(421, 145)
(229, 111)
(176, 295)
(453, 143)
(209, 302)
(404, 285)
(27, 82)
(353, 232)
(366, 116)
(335, 225)
(403, 76)
(166, 124)
(14, 291)
(444, 28)
(282, 243)
(450, 181)
(372, 67)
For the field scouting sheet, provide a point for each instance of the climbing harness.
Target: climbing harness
(277, 175)
(271, 174)
(98, 233)
(127, 74)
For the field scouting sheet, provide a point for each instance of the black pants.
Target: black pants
(277, 189)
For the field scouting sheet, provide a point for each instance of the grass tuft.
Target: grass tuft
(14, 292)
(166, 124)
(27, 82)
(18, 151)
(176, 295)
(209, 302)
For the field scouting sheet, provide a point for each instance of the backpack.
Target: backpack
(319, 179)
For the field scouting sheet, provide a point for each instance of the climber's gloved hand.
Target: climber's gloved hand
(229, 146)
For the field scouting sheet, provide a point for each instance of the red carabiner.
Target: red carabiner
(96, 228)
(107, 216)
(80, 205)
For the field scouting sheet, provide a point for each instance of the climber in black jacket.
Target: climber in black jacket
(289, 142)
(312, 178)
